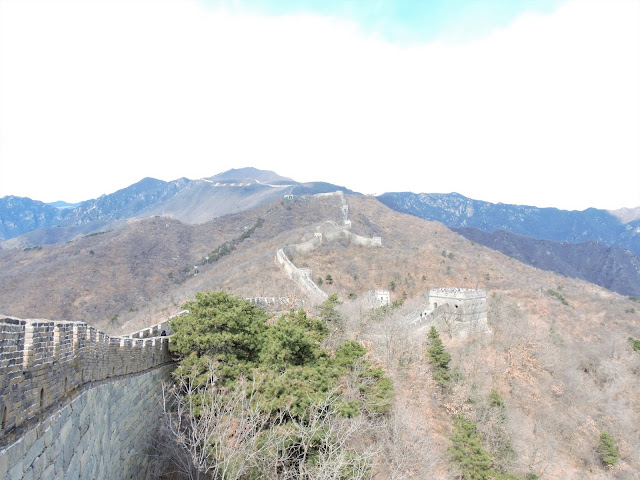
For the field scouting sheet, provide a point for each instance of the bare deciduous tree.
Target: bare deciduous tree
(218, 433)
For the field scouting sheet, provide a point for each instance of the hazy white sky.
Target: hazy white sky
(537, 107)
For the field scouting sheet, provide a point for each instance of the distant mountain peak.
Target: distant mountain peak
(249, 173)
(63, 204)
(626, 215)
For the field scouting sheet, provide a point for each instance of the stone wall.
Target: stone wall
(328, 231)
(42, 361)
(379, 298)
(300, 276)
(460, 308)
(363, 241)
(277, 303)
(304, 247)
(46, 364)
(159, 329)
(103, 432)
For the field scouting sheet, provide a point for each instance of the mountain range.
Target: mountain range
(620, 228)
(599, 246)
(557, 361)
(33, 223)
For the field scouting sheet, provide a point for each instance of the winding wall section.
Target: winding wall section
(327, 231)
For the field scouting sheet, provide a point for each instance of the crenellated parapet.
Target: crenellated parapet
(459, 311)
(277, 303)
(161, 329)
(44, 361)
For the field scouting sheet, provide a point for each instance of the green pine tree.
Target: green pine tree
(467, 453)
(439, 359)
(220, 328)
(607, 450)
(327, 310)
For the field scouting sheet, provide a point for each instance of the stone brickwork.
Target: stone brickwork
(277, 303)
(464, 303)
(42, 361)
(45, 364)
(104, 432)
(156, 330)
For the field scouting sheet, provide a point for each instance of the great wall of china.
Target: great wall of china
(328, 231)
(76, 403)
(458, 311)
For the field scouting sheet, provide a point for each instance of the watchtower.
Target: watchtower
(459, 308)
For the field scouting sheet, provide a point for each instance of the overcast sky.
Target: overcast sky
(515, 101)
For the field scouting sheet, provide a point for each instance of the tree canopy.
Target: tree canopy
(233, 337)
(273, 382)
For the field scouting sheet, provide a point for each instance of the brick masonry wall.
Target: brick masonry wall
(104, 432)
(42, 362)
(45, 366)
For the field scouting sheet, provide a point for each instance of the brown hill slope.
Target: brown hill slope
(148, 263)
(558, 354)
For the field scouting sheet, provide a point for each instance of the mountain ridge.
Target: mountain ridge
(26, 223)
(191, 201)
(614, 268)
(457, 211)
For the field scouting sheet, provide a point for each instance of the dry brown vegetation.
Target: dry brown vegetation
(558, 354)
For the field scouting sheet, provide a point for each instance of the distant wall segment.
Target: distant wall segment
(300, 276)
(328, 231)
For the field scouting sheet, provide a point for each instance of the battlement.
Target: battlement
(161, 329)
(278, 303)
(462, 293)
(378, 298)
(461, 301)
(43, 361)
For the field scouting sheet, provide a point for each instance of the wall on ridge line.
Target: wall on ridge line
(328, 231)
(304, 247)
(299, 275)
